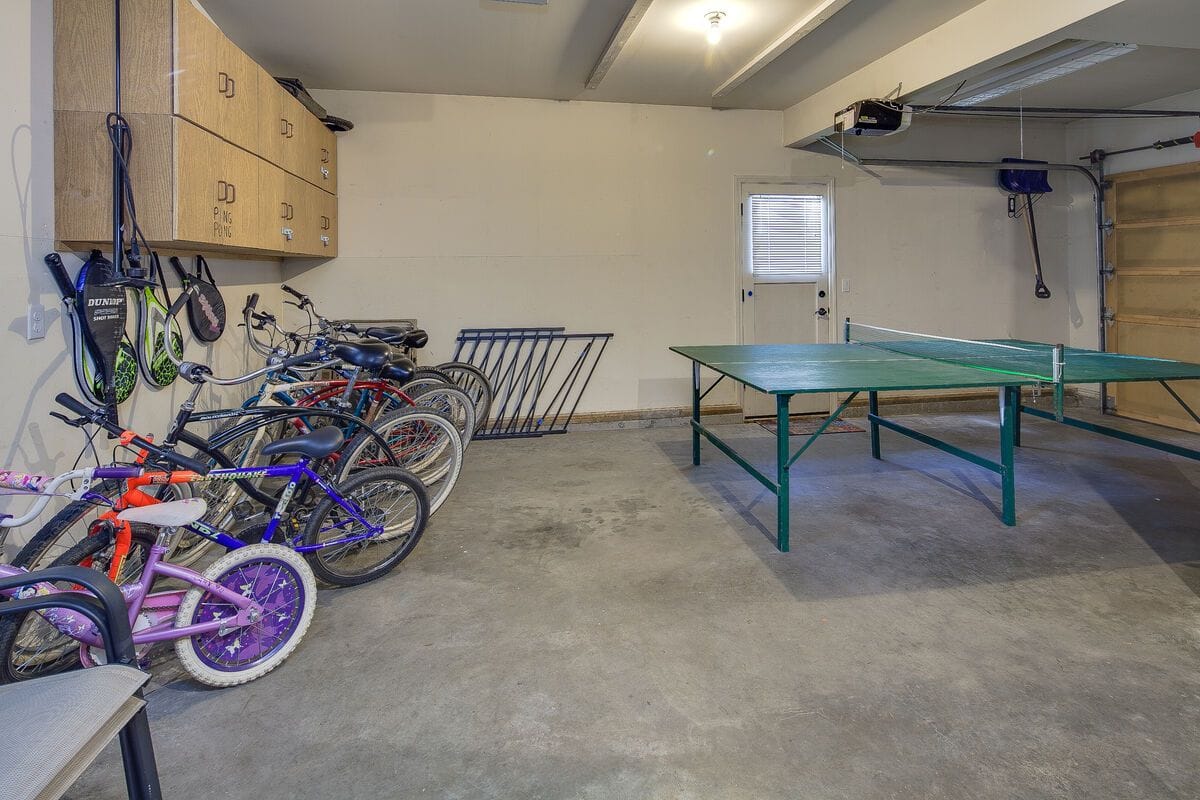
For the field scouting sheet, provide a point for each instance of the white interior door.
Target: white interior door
(785, 270)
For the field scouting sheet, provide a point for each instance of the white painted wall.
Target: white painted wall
(35, 371)
(467, 211)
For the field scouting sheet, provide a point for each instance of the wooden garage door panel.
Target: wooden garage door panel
(1176, 296)
(1159, 198)
(1149, 401)
(1168, 246)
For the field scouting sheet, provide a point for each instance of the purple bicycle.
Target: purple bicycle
(234, 622)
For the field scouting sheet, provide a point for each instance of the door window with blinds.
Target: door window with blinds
(786, 237)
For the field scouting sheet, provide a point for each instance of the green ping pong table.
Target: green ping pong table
(875, 360)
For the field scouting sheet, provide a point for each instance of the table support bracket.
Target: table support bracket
(1124, 436)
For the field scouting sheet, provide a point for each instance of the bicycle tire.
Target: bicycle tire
(420, 373)
(426, 443)
(277, 578)
(472, 380)
(451, 401)
(30, 647)
(392, 546)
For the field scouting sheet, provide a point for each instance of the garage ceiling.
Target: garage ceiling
(531, 49)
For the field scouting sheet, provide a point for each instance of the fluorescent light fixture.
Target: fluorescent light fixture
(1065, 58)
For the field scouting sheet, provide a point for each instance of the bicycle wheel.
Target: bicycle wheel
(386, 497)
(451, 401)
(280, 582)
(30, 647)
(475, 383)
(435, 373)
(424, 442)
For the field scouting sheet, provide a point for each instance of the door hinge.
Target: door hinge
(1108, 316)
(1109, 271)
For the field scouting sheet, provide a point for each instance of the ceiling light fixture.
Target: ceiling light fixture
(1065, 58)
(714, 26)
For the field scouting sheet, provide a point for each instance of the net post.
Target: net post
(846, 331)
(1059, 387)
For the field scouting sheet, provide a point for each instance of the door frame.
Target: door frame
(824, 186)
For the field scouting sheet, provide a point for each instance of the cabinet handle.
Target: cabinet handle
(324, 223)
(286, 211)
(226, 192)
(324, 155)
(291, 211)
(283, 126)
(226, 85)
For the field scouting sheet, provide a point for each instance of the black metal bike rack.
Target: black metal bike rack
(538, 376)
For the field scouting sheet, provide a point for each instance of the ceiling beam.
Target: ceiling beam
(637, 10)
(989, 32)
(806, 25)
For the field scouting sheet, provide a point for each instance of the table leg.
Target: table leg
(783, 492)
(1017, 421)
(1010, 399)
(695, 412)
(872, 412)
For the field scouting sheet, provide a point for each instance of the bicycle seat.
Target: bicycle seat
(399, 337)
(368, 355)
(318, 444)
(174, 514)
(399, 370)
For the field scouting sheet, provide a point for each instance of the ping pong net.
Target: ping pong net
(1036, 363)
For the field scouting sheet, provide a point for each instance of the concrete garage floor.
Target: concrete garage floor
(592, 617)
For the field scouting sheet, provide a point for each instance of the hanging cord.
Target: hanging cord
(949, 97)
(1021, 120)
(121, 137)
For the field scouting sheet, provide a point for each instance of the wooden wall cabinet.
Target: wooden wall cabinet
(224, 158)
(291, 137)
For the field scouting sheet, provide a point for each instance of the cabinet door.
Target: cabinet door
(283, 209)
(216, 84)
(320, 231)
(218, 196)
(311, 218)
(273, 124)
(318, 160)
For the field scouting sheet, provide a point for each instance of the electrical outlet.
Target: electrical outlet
(36, 322)
(845, 284)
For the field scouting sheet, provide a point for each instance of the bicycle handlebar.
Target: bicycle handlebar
(99, 417)
(303, 298)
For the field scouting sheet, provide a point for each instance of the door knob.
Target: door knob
(822, 312)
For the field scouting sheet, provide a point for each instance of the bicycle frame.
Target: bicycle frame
(162, 606)
(296, 473)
